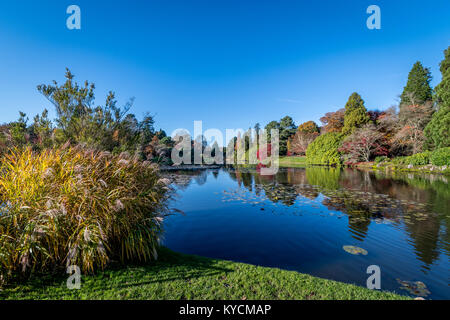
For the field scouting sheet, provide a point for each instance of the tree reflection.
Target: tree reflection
(419, 203)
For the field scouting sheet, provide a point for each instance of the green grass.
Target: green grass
(292, 162)
(179, 276)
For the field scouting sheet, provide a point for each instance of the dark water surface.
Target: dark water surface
(300, 220)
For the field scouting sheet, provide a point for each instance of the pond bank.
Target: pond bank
(404, 168)
(190, 167)
(292, 162)
(180, 276)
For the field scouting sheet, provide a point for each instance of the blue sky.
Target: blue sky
(228, 63)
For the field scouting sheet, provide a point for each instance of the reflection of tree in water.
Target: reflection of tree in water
(235, 175)
(329, 182)
(201, 177)
(401, 196)
(277, 188)
(425, 234)
(280, 193)
(427, 231)
(420, 202)
(326, 178)
(247, 180)
(364, 195)
(183, 178)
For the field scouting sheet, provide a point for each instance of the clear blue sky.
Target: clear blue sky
(229, 63)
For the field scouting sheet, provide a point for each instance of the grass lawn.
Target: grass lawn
(292, 162)
(179, 276)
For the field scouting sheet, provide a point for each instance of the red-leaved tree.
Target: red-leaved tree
(363, 144)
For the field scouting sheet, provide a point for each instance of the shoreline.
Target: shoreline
(191, 167)
(176, 276)
(300, 162)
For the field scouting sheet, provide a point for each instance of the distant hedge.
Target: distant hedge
(324, 150)
(439, 157)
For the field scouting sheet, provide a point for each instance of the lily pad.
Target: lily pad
(417, 288)
(355, 250)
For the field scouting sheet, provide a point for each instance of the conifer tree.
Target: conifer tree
(437, 132)
(417, 90)
(355, 114)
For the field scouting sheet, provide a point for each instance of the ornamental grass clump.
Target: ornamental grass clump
(71, 206)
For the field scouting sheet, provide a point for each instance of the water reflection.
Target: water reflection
(419, 205)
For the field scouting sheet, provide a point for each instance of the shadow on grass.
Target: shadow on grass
(173, 266)
(169, 267)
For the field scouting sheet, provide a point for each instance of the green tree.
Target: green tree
(417, 90)
(160, 134)
(257, 128)
(437, 132)
(77, 118)
(355, 114)
(106, 127)
(18, 130)
(443, 89)
(325, 149)
(271, 125)
(42, 130)
(287, 129)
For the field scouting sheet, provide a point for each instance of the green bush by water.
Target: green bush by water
(441, 157)
(325, 150)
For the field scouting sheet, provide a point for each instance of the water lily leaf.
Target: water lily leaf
(417, 288)
(355, 250)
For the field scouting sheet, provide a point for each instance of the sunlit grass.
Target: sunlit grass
(292, 162)
(179, 276)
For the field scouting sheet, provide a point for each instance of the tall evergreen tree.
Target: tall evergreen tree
(287, 129)
(355, 114)
(271, 125)
(257, 128)
(443, 88)
(437, 132)
(417, 90)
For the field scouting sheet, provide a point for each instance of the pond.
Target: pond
(327, 222)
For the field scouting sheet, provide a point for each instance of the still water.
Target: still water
(301, 219)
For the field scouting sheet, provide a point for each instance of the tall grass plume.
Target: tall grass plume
(70, 206)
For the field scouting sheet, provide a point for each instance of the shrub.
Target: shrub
(418, 159)
(325, 149)
(380, 159)
(400, 160)
(73, 207)
(441, 157)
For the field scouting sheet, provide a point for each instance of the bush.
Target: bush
(73, 207)
(441, 157)
(380, 159)
(324, 150)
(399, 160)
(418, 159)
